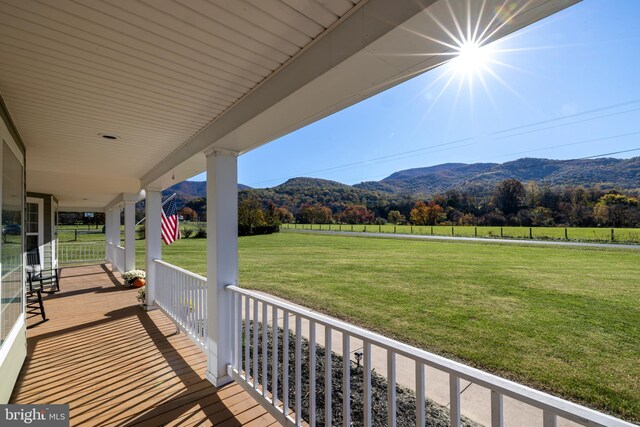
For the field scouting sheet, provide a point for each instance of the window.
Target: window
(11, 291)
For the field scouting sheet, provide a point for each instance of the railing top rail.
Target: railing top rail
(82, 243)
(561, 407)
(181, 270)
(120, 247)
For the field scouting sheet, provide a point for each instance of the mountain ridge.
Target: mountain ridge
(426, 181)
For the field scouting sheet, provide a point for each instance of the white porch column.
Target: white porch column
(115, 234)
(115, 220)
(108, 231)
(152, 239)
(222, 259)
(130, 231)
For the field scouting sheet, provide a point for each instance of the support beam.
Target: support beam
(152, 240)
(130, 232)
(222, 259)
(107, 235)
(115, 234)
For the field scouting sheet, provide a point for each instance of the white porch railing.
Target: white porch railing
(81, 253)
(109, 252)
(118, 258)
(182, 295)
(256, 312)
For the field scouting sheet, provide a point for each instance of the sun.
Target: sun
(471, 58)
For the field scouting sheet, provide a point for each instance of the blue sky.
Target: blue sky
(569, 88)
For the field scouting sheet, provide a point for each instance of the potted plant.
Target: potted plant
(142, 296)
(134, 278)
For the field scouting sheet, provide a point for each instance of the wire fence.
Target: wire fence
(594, 234)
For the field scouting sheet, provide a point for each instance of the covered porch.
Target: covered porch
(116, 364)
(108, 103)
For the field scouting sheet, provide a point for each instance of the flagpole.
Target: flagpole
(163, 203)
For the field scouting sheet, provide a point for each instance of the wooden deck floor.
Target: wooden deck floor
(115, 364)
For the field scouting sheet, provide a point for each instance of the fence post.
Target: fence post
(452, 233)
(351, 227)
(501, 235)
(612, 235)
(432, 230)
(75, 238)
(475, 231)
(394, 229)
(365, 229)
(566, 236)
(530, 233)
(412, 229)
(379, 228)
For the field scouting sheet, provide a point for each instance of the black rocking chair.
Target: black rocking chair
(39, 278)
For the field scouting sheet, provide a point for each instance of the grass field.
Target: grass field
(620, 235)
(565, 320)
(561, 319)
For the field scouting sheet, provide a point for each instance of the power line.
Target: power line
(568, 123)
(348, 166)
(551, 147)
(367, 161)
(595, 110)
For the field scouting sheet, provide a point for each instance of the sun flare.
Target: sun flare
(471, 58)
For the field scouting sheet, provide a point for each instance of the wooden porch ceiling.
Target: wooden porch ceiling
(115, 364)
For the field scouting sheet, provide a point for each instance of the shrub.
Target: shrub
(187, 233)
(142, 232)
(201, 233)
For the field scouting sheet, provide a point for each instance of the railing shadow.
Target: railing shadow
(150, 395)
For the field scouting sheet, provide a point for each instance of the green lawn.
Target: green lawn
(561, 319)
(620, 235)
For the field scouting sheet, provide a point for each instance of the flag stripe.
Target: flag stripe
(170, 225)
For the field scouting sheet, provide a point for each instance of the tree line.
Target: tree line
(510, 203)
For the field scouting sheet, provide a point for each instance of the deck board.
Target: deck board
(115, 364)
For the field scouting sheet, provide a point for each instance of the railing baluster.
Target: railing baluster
(366, 388)
(328, 376)
(553, 408)
(312, 373)
(298, 385)
(549, 419)
(264, 349)
(391, 388)
(285, 363)
(274, 369)
(497, 416)
(346, 381)
(454, 400)
(238, 332)
(420, 401)
(256, 378)
(247, 336)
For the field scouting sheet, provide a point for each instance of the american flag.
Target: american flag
(170, 225)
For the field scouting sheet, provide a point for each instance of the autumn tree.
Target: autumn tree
(284, 215)
(423, 214)
(617, 210)
(509, 196)
(250, 215)
(188, 214)
(395, 217)
(314, 214)
(355, 214)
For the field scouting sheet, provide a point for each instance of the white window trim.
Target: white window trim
(40, 233)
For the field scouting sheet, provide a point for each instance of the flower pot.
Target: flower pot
(138, 283)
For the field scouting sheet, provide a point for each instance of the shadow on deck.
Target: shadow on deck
(115, 364)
